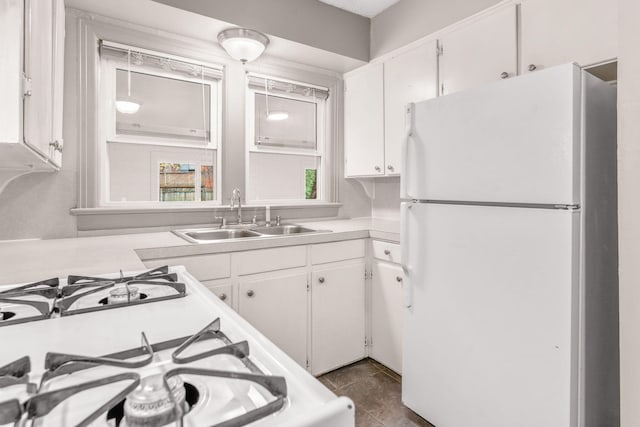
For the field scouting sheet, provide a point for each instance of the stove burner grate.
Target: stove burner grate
(58, 364)
(82, 286)
(47, 289)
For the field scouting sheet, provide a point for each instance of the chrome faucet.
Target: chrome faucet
(235, 198)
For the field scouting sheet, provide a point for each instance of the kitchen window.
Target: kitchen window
(161, 127)
(285, 141)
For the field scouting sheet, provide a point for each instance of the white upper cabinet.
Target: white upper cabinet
(31, 88)
(364, 122)
(411, 76)
(481, 51)
(555, 32)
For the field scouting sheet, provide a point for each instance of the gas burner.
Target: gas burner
(172, 377)
(6, 315)
(116, 415)
(34, 301)
(84, 294)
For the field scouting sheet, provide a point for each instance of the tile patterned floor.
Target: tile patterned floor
(376, 391)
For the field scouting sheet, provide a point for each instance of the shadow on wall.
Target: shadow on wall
(37, 206)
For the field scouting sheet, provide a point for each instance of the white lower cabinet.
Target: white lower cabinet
(223, 290)
(337, 316)
(276, 305)
(308, 300)
(386, 315)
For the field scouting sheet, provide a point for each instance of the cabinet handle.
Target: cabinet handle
(321, 279)
(387, 252)
(250, 293)
(504, 75)
(532, 67)
(398, 279)
(390, 168)
(223, 297)
(377, 168)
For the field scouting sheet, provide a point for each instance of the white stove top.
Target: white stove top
(99, 333)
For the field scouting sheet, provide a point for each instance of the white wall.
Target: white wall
(629, 209)
(386, 200)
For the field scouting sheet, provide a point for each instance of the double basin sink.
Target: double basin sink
(208, 235)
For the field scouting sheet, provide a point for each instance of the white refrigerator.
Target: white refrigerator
(509, 240)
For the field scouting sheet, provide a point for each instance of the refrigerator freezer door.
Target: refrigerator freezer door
(513, 141)
(487, 339)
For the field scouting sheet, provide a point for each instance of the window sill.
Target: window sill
(138, 217)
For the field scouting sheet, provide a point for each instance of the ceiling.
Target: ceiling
(368, 8)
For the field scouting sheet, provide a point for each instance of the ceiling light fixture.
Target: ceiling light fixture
(243, 44)
(128, 106)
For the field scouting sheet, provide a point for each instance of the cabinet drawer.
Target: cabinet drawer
(334, 252)
(202, 267)
(264, 260)
(386, 251)
(223, 291)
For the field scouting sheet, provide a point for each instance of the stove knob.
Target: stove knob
(250, 293)
(223, 297)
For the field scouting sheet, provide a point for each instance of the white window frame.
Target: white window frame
(107, 132)
(322, 193)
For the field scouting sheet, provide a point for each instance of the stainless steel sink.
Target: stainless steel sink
(208, 235)
(278, 230)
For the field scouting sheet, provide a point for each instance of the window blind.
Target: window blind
(149, 58)
(276, 86)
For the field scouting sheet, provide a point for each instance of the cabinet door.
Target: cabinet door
(363, 122)
(479, 52)
(277, 306)
(386, 315)
(337, 316)
(10, 70)
(556, 32)
(223, 290)
(44, 44)
(409, 77)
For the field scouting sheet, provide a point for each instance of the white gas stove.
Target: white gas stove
(146, 349)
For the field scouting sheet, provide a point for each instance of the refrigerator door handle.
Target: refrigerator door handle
(408, 127)
(407, 291)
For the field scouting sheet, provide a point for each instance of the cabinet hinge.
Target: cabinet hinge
(367, 343)
(441, 88)
(308, 286)
(307, 364)
(440, 48)
(26, 85)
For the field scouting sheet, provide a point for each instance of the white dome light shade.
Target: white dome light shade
(127, 107)
(243, 44)
(277, 115)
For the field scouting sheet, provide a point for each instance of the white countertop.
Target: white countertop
(32, 260)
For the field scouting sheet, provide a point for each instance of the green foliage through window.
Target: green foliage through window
(311, 183)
